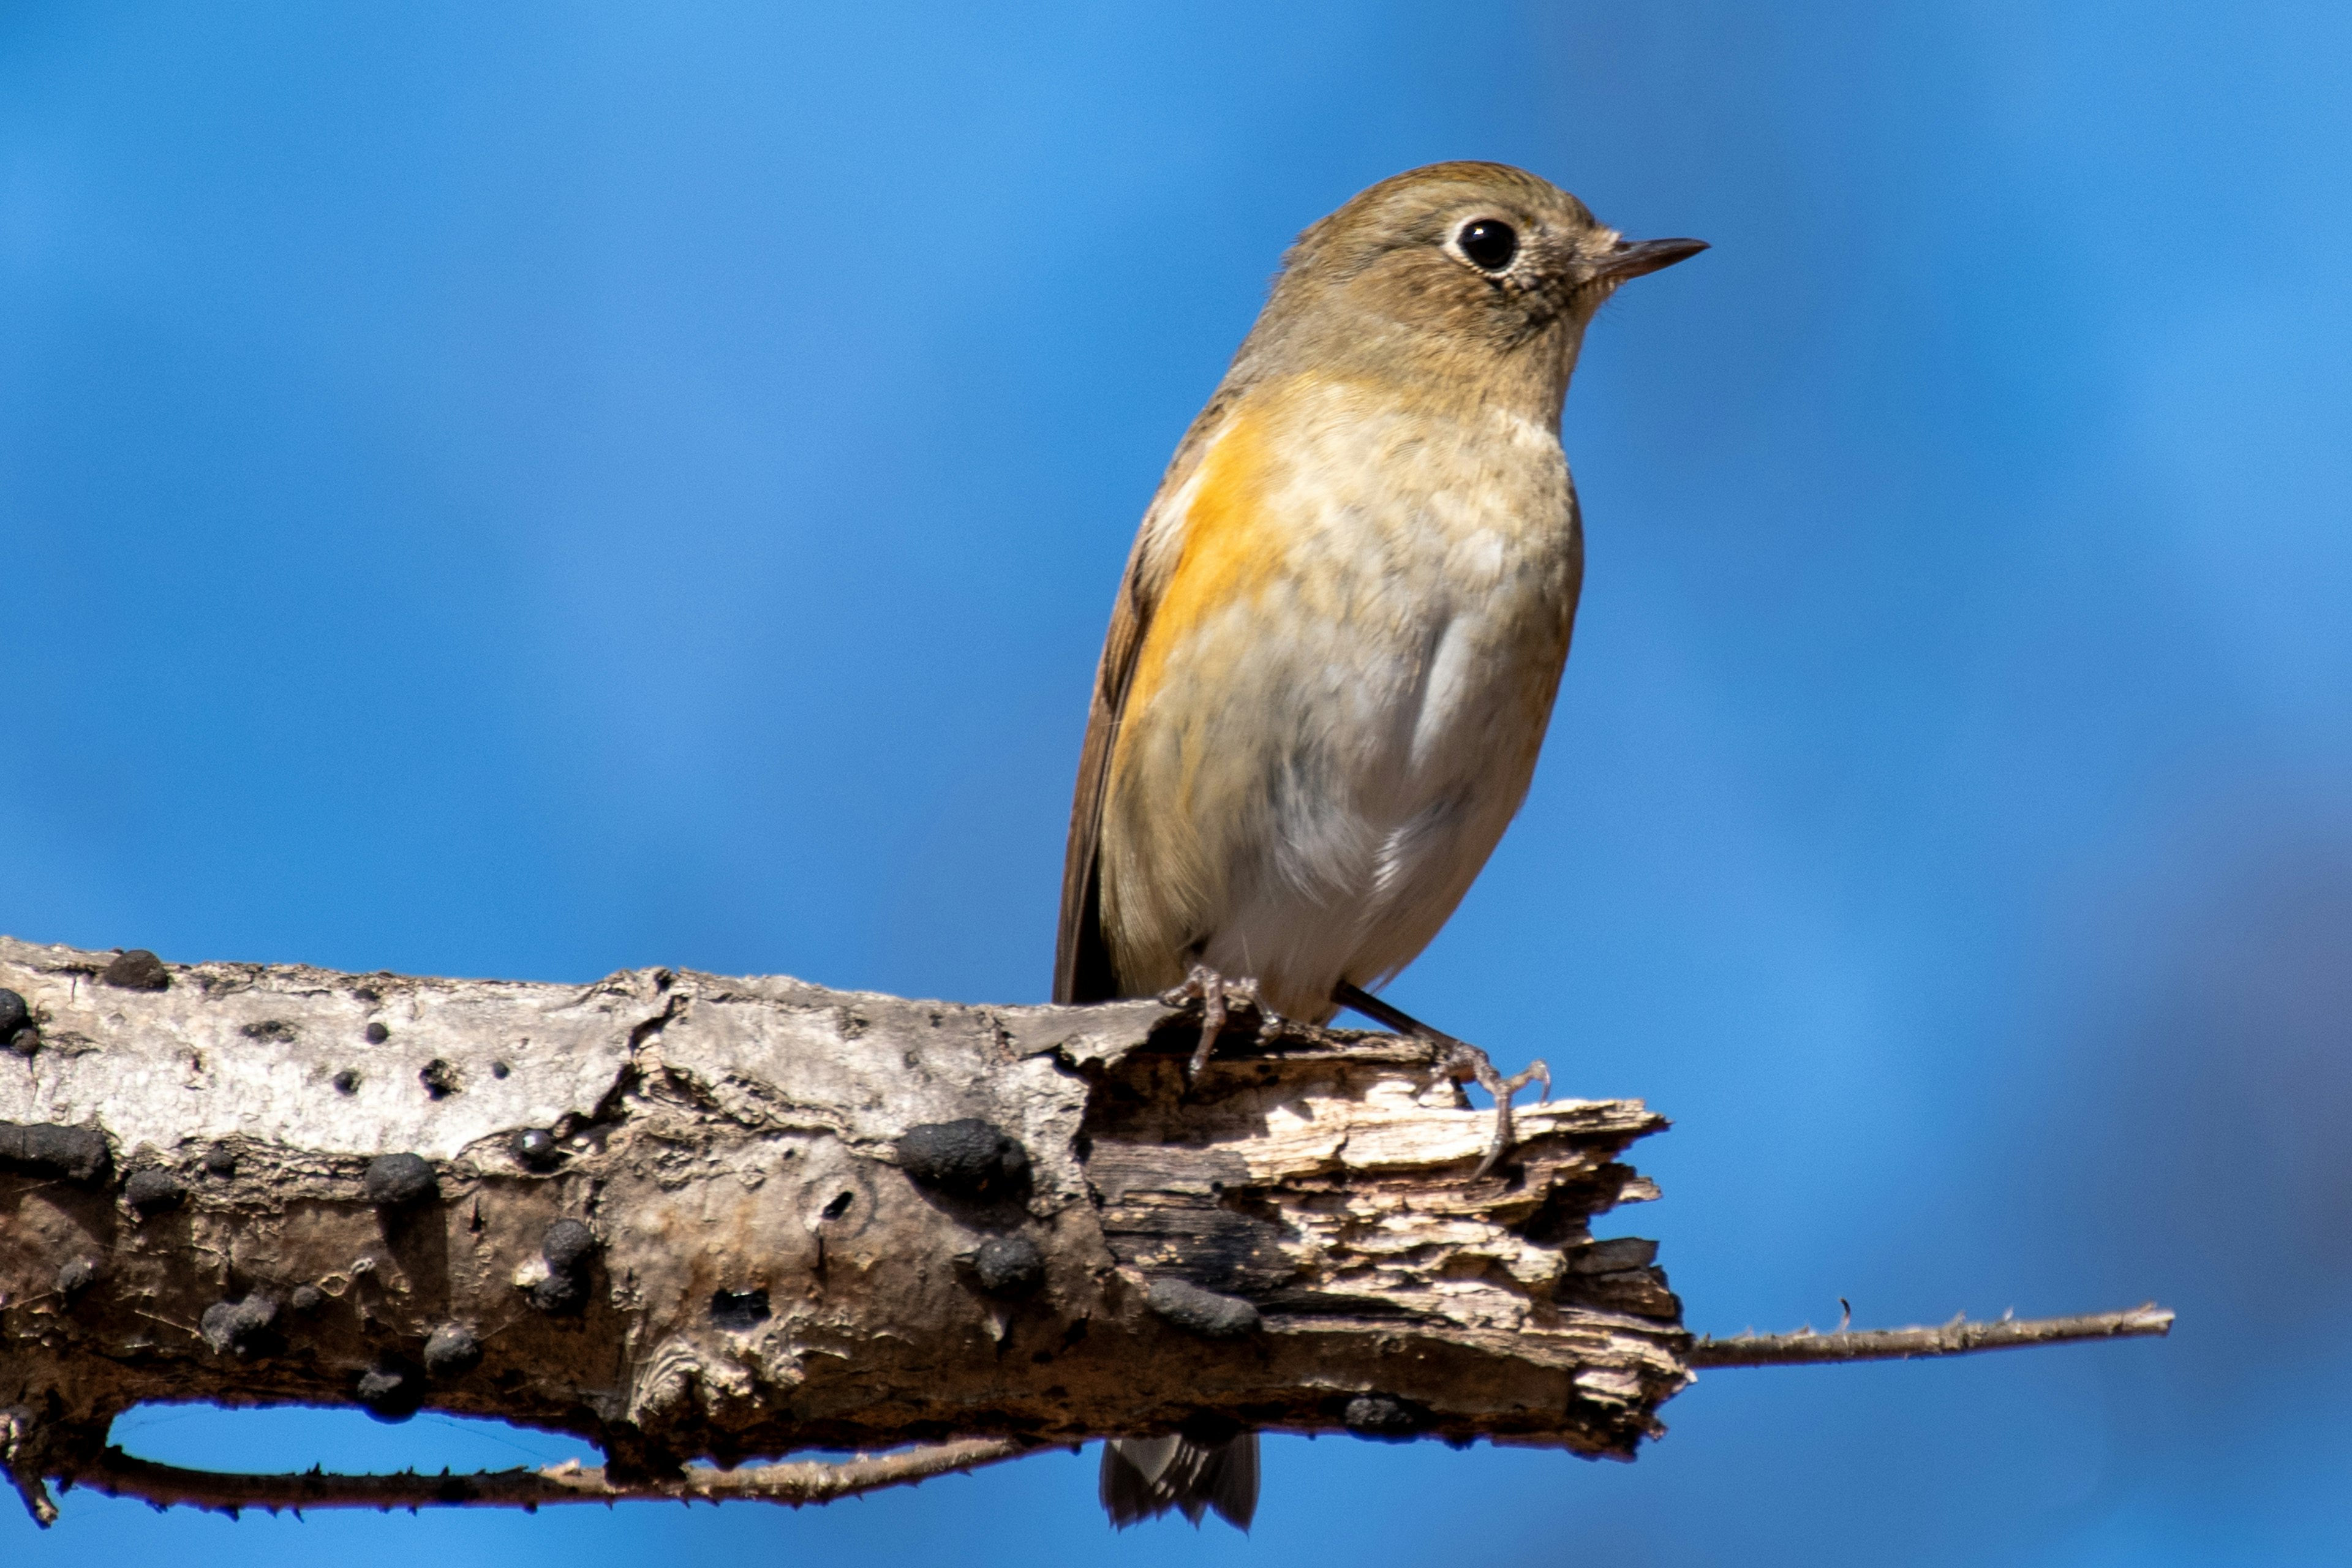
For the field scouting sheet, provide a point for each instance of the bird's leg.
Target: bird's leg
(1458, 1059)
(1215, 994)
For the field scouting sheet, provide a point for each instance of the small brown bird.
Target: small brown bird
(1332, 660)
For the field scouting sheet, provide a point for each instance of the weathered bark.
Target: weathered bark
(125, 1475)
(788, 1251)
(687, 1216)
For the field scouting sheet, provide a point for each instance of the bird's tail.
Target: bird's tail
(1143, 1477)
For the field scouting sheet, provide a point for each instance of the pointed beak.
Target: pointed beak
(1632, 258)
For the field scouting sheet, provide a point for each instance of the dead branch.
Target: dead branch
(118, 1474)
(1958, 1337)
(680, 1216)
(689, 1218)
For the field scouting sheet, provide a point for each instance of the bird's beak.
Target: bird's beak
(1632, 258)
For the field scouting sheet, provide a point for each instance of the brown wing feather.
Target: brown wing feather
(1083, 971)
(1082, 968)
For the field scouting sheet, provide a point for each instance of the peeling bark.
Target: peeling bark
(683, 1215)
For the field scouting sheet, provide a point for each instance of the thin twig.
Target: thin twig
(1958, 1337)
(15, 1431)
(118, 1474)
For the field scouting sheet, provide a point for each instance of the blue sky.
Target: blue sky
(530, 491)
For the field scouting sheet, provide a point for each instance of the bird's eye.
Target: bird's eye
(1488, 243)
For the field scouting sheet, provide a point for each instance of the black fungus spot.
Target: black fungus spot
(78, 1275)
(440, 1078)
(46, 1148)
(399, 1181)
(452, 1351)
(306, 1297)
(737, 1311)
(839, 1205)
(969, 1157)
(1008, 1266)
(392, 1390)
(1204, 1313)
(153, 1192)
(568, 1245)
(1386, 1418)
(220, 1160)
(137, 970)
(500, 1069)
(376, 1034)
(536, 1148)
(243, 1329)
(16, 1029)
(346, 1082)
(271, 1031)
(560, 1295)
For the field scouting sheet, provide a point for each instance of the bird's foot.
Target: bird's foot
(1217, 997)
(1459, 1060)
(1462, 1060)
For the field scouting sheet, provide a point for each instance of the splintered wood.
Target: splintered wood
(689, 1217)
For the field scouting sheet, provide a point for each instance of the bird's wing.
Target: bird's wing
(1082, 965)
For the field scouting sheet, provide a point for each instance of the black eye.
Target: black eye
(1489, 243)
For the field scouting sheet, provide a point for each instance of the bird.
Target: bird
(1332, 658)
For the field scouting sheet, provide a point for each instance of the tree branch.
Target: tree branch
(21, 1462)
(685, 1216)
(118, 1474)
(689, 1218)
(1958, 1337)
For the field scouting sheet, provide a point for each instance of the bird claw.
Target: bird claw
(1217, 996)
(1458, 1059)
(1461, 1059)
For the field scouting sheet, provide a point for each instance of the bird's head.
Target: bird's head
(1477, 275)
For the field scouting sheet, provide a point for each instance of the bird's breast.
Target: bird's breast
(1331, 524)
(1363, 567)
(1348, 674)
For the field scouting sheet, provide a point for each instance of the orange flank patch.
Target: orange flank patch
(1231, 551)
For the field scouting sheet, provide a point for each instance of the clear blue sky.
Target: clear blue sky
(532, 490)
